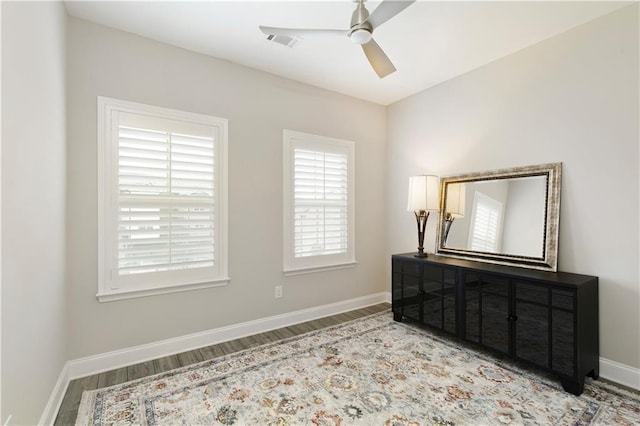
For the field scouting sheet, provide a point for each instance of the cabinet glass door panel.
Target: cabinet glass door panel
(532, 333)
(532, 323)
(495, 313)
(432, 310)
(432, 295)
(562, 299)
(449, 300)
(411, 268)
(472, 286)
(411, 297)
(562, 341)
(432, 274)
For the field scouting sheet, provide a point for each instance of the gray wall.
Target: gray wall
(34, 323)
(572, 98)
(116, 64)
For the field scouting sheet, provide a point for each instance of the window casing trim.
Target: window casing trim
(135, 293)
(310, 270)
(295, 266)
(170, 281)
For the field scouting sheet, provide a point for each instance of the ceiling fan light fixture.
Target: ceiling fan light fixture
(360, 36)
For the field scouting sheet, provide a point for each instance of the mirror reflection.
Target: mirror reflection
(498, 216)
(507, 216)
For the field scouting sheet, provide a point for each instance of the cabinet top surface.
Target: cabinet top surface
(512, 271)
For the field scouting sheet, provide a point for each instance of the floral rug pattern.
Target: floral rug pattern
(371, 371)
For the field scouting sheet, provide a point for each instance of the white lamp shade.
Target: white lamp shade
(455, 199)
(424, 193)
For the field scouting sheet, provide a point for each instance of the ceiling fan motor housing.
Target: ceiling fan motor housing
(360, 32)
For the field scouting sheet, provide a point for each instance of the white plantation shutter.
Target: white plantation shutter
(320, 200)
(485, 224)
(164, 221)
(318, 187)
(166, 201)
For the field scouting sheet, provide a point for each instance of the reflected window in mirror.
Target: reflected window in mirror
(507, 216)
(486, 224)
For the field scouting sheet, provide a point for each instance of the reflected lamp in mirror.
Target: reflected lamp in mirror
(423, 198)
(455, 206)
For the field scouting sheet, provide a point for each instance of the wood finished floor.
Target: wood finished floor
(69, 407)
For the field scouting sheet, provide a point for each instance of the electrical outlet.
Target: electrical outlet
(278, 289)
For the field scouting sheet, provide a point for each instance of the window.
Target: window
(162, 200)
(318, 203)
(486, 223)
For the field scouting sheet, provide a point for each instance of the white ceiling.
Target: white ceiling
(429, 42)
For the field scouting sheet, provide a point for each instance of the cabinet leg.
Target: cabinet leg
(397, 316)
(595, 373)
(574, 386)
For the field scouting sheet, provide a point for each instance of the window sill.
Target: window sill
(121, 294)
(313, 269)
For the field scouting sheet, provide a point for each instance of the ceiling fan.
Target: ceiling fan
(360, 32)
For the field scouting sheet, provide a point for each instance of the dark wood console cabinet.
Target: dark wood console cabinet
(547, 319)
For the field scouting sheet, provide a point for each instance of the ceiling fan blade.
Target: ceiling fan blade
(378, 59)
(301, 32)
(387, 10)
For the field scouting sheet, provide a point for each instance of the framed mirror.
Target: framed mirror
(507, 216)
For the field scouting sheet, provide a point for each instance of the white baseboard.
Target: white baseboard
(55, 400)
(108, 361)
(121, 358)
(620, 373)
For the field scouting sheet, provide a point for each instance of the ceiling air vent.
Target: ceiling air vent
(283, 40)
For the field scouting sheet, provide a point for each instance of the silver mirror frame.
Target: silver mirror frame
(549, 260)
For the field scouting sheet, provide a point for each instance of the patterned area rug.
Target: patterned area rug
(371, 371)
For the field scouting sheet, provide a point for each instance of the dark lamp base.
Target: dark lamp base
(421, 221)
